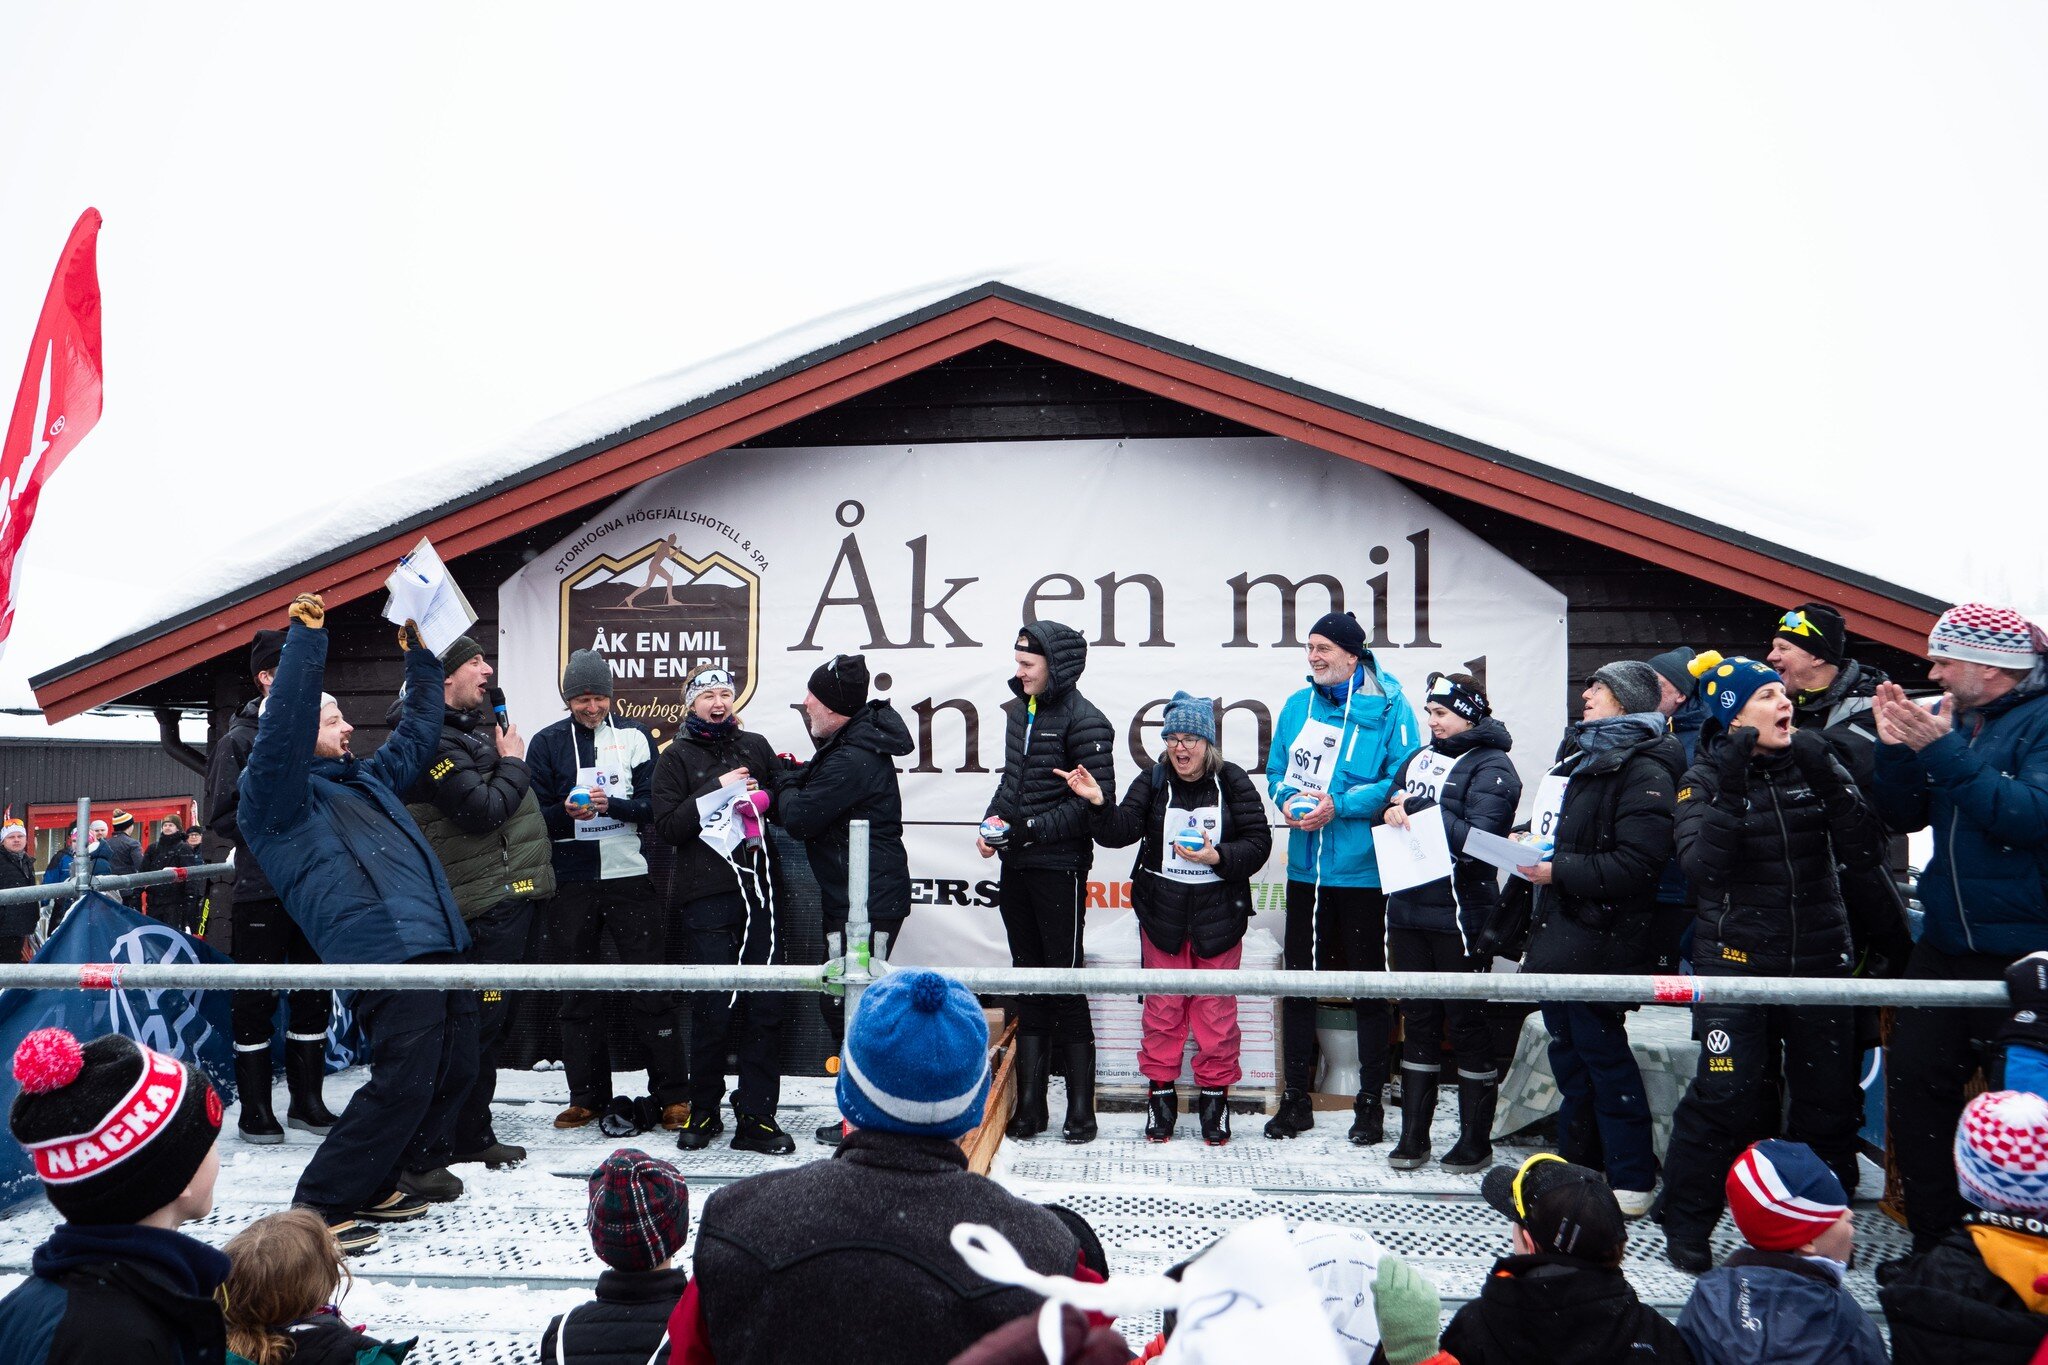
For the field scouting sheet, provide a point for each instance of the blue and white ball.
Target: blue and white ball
(994, 830)
(1301, 805)
(1189, 840)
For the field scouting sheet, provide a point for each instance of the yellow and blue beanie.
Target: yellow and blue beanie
(1726, 685)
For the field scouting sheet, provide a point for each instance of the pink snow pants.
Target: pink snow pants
(1168, 1017)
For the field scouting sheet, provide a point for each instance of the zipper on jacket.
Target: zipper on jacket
(1791, 876)
(1956, 883)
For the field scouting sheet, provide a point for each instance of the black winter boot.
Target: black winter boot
(1080, 1124)
(1028, 1066)
(1162, 1109)
(305, 1067)
(1294, 1117)
(252, 1081)
(1474, 1150)
(1214, 1106)
(1417, 1109)
(1368, 1119)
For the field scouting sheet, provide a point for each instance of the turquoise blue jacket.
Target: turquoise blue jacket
(1377, 736)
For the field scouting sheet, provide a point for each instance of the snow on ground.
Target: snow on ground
(478, 1280)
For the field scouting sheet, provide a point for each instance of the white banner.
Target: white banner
(1188, 564)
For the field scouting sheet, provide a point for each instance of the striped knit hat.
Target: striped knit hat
(916, 1057)
(1976, 634)
(1782, 1196)
(2002, 1153)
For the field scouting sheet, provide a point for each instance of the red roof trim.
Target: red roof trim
(977, 321)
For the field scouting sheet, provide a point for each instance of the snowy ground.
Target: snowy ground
(479, 1279)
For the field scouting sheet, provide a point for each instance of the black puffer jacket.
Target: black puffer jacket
(858, 1249)
(624, 1325)
(1613, 839)
(17, 869)
(1947, 1307)
(1481, 792)
(324, 1339)
(853, 777)
(1048, 823)
(1557, 1310)
(477, 808)
(1169, 909)
(689, 768)
(1840, 714)
(224, 800)
(175, 902)
(1761, 860)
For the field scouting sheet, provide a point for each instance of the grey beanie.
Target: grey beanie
(587, 673)
(1633, 683)
(1187, 714)
(1671, 667)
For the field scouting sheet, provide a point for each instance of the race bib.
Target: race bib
(1312, 760)
(1549, 808)
(1427, 773)
(1204, 820)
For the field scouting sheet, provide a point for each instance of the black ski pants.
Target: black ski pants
(1336, 929)
(1423, 1022)
(638, 920)
(1933, 1054)
(422, 1060)
(744, 1024)
(1045, 911)
(266, 935)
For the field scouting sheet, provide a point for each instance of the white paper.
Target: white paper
(597, 826)
(423, 592)
(718, 823)
(1414, 854)
(1502, 853)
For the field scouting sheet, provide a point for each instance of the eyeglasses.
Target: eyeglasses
(1183, 741)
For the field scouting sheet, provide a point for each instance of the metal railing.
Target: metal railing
(857, 963)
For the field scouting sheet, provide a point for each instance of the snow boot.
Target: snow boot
(831, 1134)
(252, 1082)
(757, 1133)
(1162, 1111)
(1214, 1107)
(1028, 1065)
(305, 1067)
(1369, 1119)
(1080, 1124)
(1294, 1117)
(1412, 1151)
(1474, 1149)
(696, 1135)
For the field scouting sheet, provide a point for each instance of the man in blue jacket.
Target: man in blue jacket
(1976, 769)
(360, 879)
(1337, 749)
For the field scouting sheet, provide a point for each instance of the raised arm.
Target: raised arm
(273, 783)
(405, 753)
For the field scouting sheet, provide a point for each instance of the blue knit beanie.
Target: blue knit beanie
(916, 1057)
(1187, 714)
(1726, 685)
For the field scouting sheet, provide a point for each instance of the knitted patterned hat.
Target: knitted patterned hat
(1816, 628)
(1188, 714)
(1782, 1196)
(115, 1130)
(1633, 683)
(916, 1057)
(706, 679)
(1726, 685)
(1976, 634)
(2002, 1153)
(639, 1210)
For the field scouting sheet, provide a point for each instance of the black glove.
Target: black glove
(2026, 982)
(1731, 762)
(1815, 759)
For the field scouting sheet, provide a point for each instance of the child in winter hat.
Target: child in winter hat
(916, 1057)
(1783, 1297)
(639, 1220)
(125, 1142)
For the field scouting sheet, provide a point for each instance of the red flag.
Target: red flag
(59, 398)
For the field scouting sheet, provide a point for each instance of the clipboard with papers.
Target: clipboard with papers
(425, 593)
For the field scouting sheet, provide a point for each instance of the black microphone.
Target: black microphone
(497, 696)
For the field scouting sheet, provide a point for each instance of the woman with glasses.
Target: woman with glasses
(1466, 776)
(1201, 829)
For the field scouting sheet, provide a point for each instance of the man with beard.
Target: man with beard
(475, 804)
(852, 777)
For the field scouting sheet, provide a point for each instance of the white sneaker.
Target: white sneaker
(1635, 1203)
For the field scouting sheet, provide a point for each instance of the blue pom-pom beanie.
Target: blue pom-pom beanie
(1188, 714)
(916, 1057)
(1726, 685)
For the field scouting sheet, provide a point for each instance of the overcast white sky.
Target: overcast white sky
(1784, 253)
